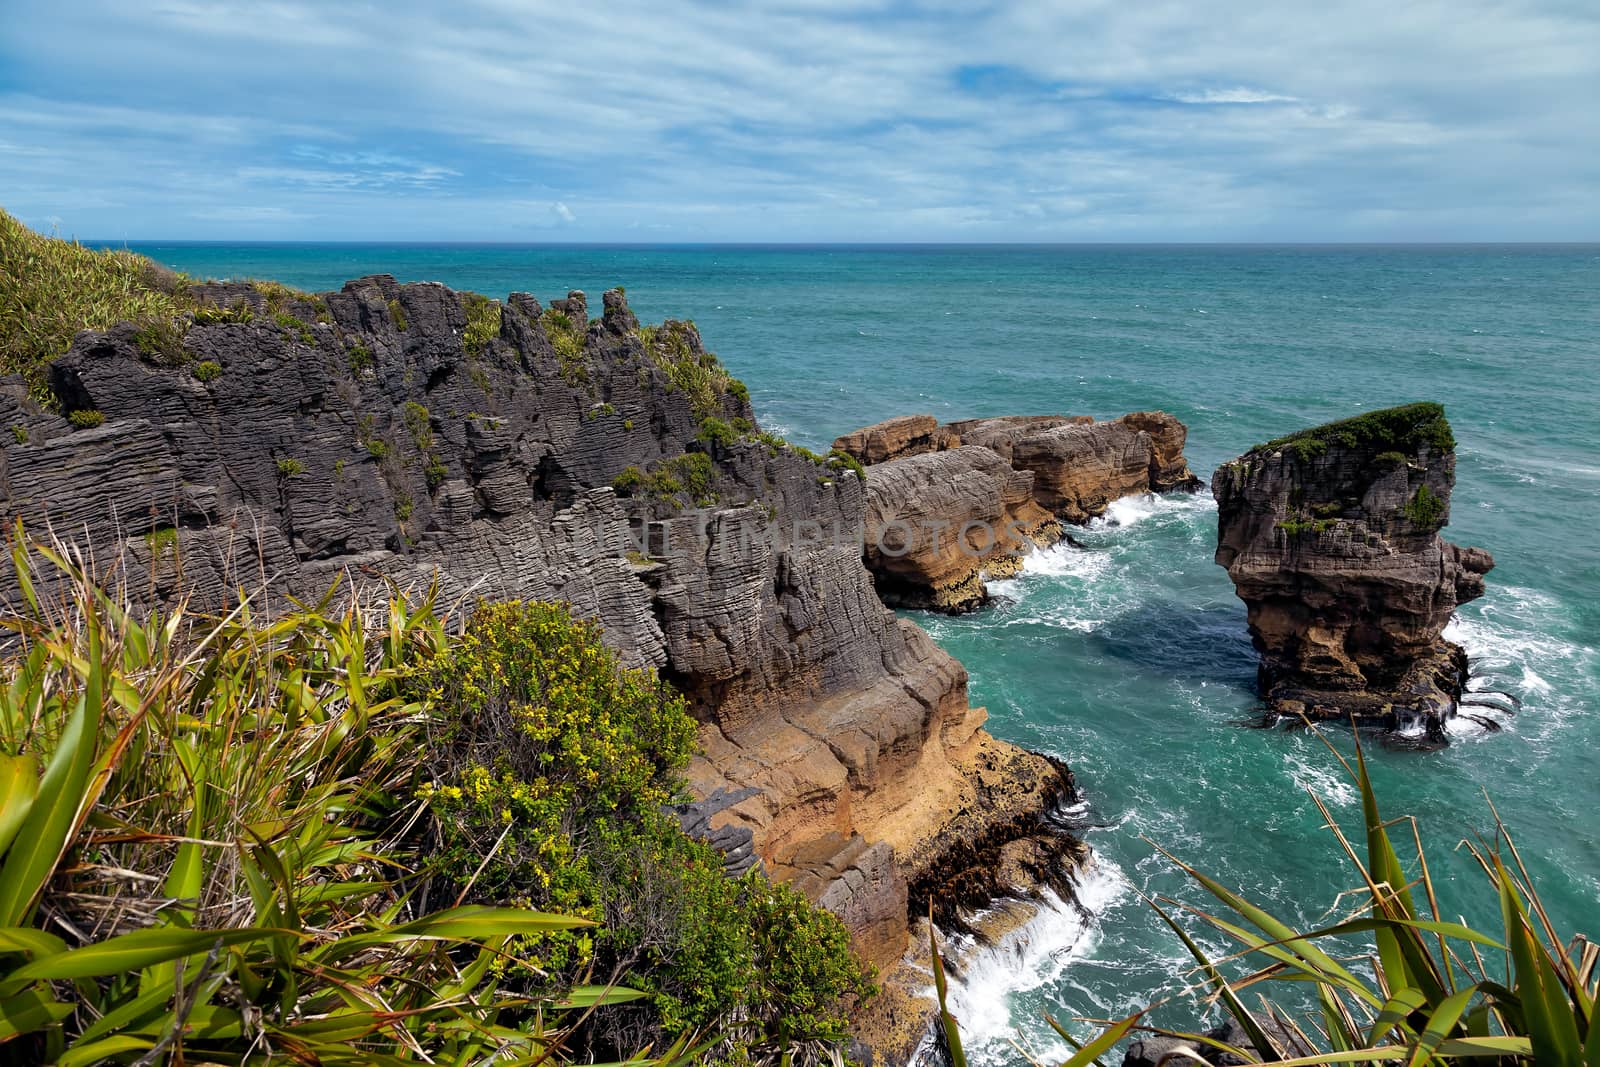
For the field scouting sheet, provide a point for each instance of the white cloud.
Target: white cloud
(815, 120)
(1233, 96)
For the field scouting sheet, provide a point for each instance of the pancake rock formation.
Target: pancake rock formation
(280, 441)
(1331, 537)
(952, 505)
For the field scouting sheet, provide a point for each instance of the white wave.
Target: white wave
(1062, 560)
(1132, 510)
(1033, 955)
(1320, 780)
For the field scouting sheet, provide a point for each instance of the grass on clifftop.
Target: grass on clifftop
(50, 289)
(1402, 429)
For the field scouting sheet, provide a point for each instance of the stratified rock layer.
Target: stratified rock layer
(1332, 540)
(391, 431)
(952, 505)
(938, 523)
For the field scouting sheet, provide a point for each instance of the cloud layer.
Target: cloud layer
(808, 120)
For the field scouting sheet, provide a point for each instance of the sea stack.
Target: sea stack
(1331, 537)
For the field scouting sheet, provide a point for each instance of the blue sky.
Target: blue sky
(812, 120)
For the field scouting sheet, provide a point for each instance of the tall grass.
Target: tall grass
(203, 845)
(50, 289)
(1428, 990)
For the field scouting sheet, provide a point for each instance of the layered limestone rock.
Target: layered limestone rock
(952, 505)
(907, 435)
(1331, 537)
(939, 523)
(413, 433)
(1080, 469)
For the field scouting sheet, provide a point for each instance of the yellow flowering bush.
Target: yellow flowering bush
(554, 782)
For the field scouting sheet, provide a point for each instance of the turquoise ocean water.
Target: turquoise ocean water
(1130, 659)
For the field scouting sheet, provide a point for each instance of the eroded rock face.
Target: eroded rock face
(907, 435)
(940, 522)
(1080, 469)
(949, 506)
(1332, 540)
(364, 435)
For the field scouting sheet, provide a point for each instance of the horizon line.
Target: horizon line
(444, 243)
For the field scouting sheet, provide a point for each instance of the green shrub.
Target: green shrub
(435, 472)
(230, 806)
(483, 322)
(212, 315)
(20, 433)
(1393, 459)
(403, 507)
(161, 341)
(294, 327)
(1425, 508)
(397, 314)
(844, 461)
(207, 370)
(567, 338)
(558, 769)
(86, 418)
(1403, 429)
(675, 348)
(713, 431)
(288, 467)
(360, 358)
(418, 424)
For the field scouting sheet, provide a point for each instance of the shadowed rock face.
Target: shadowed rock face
(365, 435)
(1332, 540)
(949, 506)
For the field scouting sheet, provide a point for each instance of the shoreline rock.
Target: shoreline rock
(952, 506)
(1331, 537)
(416, 434)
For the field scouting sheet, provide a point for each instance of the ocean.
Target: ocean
(1129, 658)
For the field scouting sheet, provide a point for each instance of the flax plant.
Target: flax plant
(203, 852)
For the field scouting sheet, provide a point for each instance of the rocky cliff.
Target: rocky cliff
(952, 505)
(1331, 537)
(417, 434)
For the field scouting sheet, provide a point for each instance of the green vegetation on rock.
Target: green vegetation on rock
(207, 370)
(86, 418)
(558, 765)
(50, 289)
(1399, 430)
(674, 348)
(1425, 508)
(689, 474)
(252, 876)
(483, 322)
(260, 818)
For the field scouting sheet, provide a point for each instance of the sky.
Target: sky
(803, 121)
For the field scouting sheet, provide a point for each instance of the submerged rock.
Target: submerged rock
(1331, 537)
